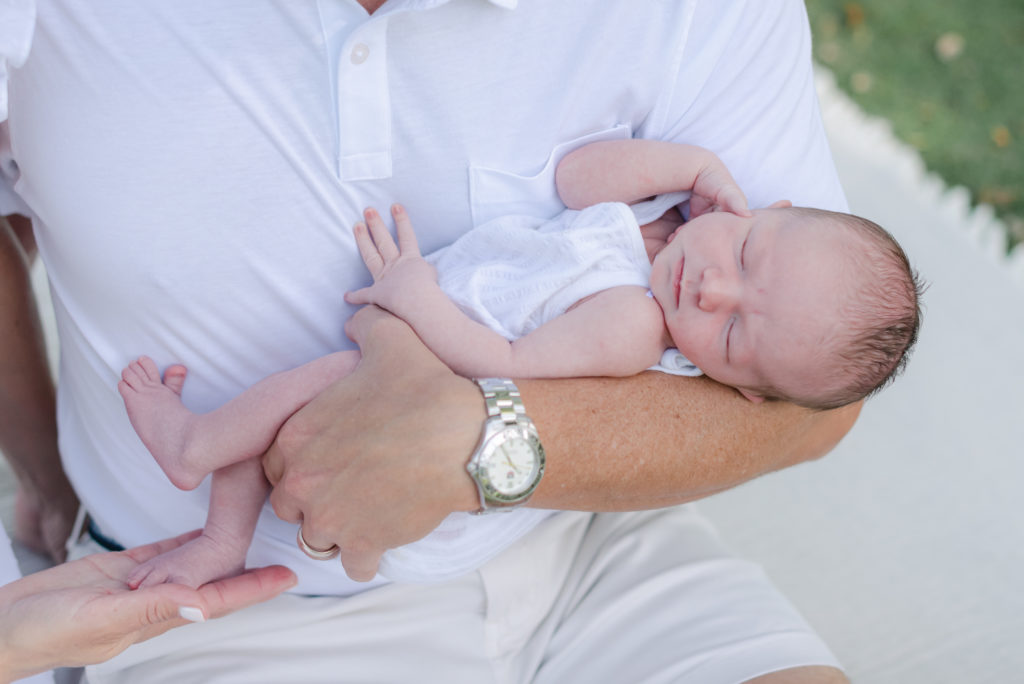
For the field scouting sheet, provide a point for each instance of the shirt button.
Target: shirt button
(359, 53)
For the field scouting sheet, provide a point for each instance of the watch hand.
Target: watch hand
(511, 464)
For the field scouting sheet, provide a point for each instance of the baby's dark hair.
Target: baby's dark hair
(883, 314)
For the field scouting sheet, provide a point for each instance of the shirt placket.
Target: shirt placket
(364, 104)
(356, 50)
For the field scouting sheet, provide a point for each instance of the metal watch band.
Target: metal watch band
(502, 398)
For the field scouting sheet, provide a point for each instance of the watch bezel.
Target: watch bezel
(496, 432)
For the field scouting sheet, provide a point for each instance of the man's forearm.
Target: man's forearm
(656, 440)
(644, 441)
(653, 439)
(26, 391)
(28, 430)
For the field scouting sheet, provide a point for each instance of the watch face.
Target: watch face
(511, 467)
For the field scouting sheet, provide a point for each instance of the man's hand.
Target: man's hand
(377, 460)
(44, 524)
(83, 612)
(46, 504)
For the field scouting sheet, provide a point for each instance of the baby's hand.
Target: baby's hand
(715, 190)
(398, 270)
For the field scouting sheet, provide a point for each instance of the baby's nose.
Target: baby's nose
(717, 291)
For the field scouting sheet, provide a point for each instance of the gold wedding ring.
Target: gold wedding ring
(313, 552)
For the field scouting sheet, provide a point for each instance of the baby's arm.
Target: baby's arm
(631, 170)
(615, 332)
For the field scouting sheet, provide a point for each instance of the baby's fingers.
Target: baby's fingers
(732, 199)
(407, 244)
(716, 185)
(381, 235)
(700, 206)
(360, 296)
(367, 250)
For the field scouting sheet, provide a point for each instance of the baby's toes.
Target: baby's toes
(139, 575)
(130, 377)
(148, 369)
(174, 377)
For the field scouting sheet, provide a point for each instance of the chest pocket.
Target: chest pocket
(496, 192)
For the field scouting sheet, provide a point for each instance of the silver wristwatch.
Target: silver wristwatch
(509, 460)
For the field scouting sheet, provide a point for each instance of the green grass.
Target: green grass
(949, 75)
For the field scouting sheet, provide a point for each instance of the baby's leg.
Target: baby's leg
(188, 445)
(236, 498)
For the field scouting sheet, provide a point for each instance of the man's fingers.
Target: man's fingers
(273, 464)
(381, 235)
(358, 326)
(285, 506)
(314, 536)
(407, 243)
(281, 501)
(361, 566)
(55, 547)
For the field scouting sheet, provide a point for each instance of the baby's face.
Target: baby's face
(752, 301)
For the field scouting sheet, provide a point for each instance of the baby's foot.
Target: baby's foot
(202, 560)
(160, 419)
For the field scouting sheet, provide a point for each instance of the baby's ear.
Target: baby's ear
(756, 398)
(781, 204)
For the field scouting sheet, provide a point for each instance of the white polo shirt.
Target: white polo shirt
(194, 169)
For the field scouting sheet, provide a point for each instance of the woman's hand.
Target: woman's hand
(82, 612)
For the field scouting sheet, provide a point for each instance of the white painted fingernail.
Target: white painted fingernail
(191, 613)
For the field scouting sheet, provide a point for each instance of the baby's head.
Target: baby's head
(809, 306)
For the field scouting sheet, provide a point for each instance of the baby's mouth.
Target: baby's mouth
(677, 284)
